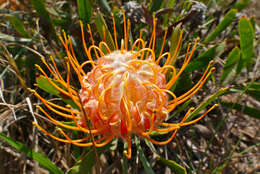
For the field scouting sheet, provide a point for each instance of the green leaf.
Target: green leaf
(125, 166)
(228, 19)
(105, 6)
(252, 112)
(40, 158)
(150, 145)
(254, 93)
(252, 89)
(45, 85)
(203, 105)
(183, 83)
(255, 85)
(85, 10)
(241, 4)
(102, 27)
(39, 6)
(253, 22)
(84, 166)
(143, 159)
(247, 35)
(155, 5)
(180, 109)
(231, 63)
(18, 26)
(203, 60)
(170, 4)
(175, 167)
(174, 42)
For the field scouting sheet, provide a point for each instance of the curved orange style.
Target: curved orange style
(125, 93)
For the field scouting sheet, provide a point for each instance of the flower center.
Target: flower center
(123, 94)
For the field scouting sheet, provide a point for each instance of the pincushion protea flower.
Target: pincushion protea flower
(125, 93)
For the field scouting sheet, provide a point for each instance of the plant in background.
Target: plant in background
(135, 97)
(127, 92)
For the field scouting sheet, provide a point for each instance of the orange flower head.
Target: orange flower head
(125, 93)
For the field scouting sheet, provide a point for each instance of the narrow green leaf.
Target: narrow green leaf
(180, 109)
(253, 112)
(203, 105)
(241, 4)
(45, 85)
(253, 22)
(255, 85)
(174, 41)
(252, 89)
(175, 167)
(85, 10)
(249, 148)
(228, 19)
(183, 83)
(150, 145)
(125, 166)
(155, 5)
(203, 60)
(39, 6)
(166, 17)
(40, 158)
(143, 159)
(102, 27)
(254, 93)
(105, 6)
(85, 166)
(19, 26)
(231, 63)
(87, 163)
(247, 35)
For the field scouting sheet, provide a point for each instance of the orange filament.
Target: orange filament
(125, 93)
